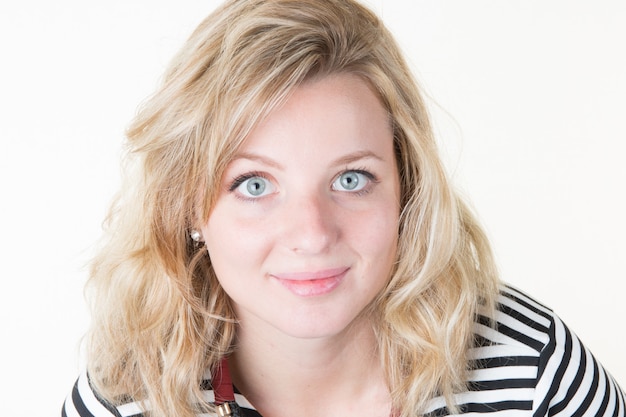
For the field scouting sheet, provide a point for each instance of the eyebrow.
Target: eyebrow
(343, 160)
(257, 158)
(356, 156)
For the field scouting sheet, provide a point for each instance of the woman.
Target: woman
(287, 243)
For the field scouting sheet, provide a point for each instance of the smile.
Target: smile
(310, 284)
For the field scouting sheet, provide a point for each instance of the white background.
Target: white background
(529, 100)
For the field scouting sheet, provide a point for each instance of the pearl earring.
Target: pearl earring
(195, 235)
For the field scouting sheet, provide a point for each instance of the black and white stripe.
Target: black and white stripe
(525, 362)
(528, 363)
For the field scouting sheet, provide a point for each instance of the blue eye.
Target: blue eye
(255, 186)
(352, 181)
(252, 186)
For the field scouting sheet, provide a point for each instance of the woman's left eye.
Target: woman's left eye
(352, 181)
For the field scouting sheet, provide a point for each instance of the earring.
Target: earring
(195, 235)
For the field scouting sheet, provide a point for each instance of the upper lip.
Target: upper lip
(311, 275)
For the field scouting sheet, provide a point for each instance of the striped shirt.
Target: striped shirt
(526, 362)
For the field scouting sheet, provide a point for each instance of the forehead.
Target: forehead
(341, 109)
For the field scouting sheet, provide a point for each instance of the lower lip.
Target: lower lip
(312, 287)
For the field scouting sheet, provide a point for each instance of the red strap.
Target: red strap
(222, 383)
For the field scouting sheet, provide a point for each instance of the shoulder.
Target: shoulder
(527, 362)
(83, 401)
(570, 381)
(520, 325)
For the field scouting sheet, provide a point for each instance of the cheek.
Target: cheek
(237, 244)
(376, 233)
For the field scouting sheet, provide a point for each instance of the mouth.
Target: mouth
(310, 284)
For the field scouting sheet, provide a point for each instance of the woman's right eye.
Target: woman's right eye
(252, 186)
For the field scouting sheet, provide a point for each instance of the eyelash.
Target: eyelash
(235, 183)
(367, 174)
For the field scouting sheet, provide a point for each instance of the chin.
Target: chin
(321, 327)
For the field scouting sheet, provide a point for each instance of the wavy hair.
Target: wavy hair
(160, 317)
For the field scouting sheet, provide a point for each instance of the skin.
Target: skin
(302, 238)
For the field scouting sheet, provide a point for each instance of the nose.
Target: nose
(310, 224)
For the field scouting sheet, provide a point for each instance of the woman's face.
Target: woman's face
(304, 231)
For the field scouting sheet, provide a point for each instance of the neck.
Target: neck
(337, 375)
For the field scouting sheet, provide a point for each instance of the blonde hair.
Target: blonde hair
(160, 317)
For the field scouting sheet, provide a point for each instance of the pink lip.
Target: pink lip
(309, 284)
